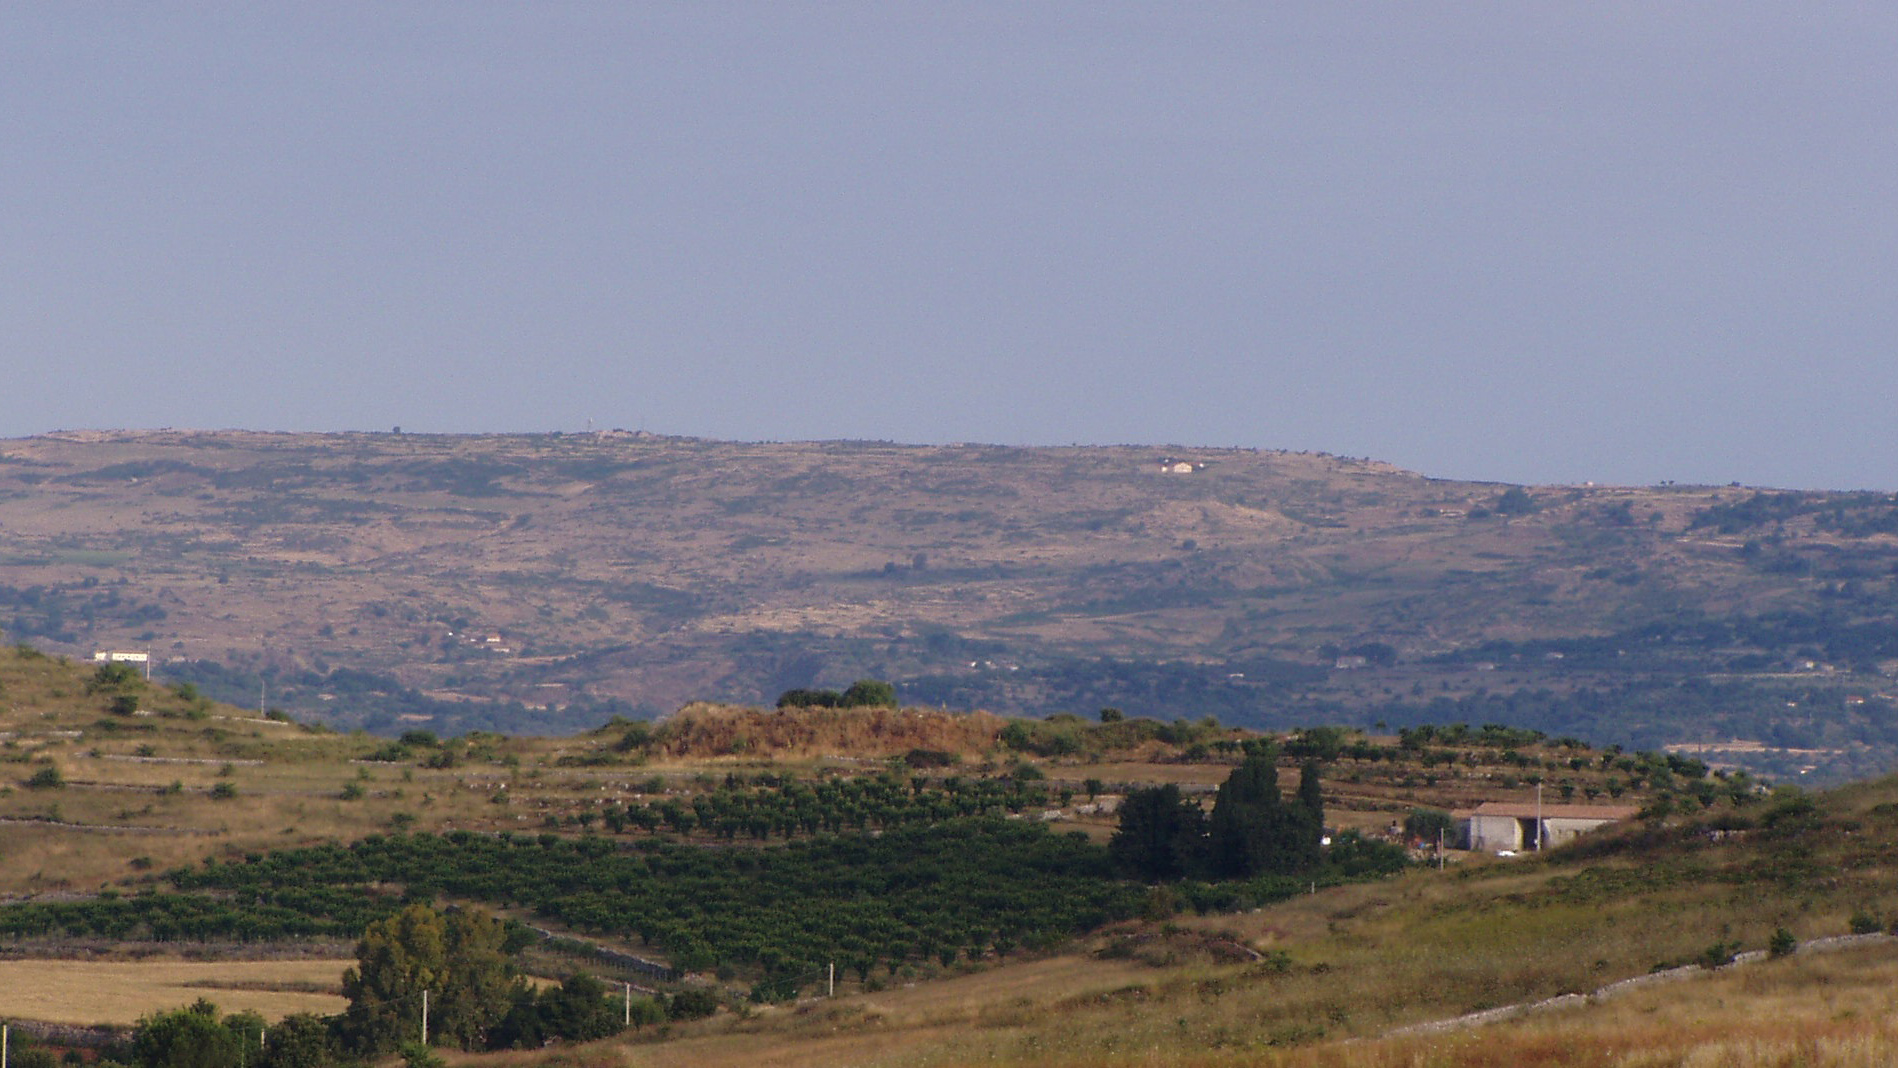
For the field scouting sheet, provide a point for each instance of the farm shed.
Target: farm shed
(1498, 826)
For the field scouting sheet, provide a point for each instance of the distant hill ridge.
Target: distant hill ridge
(547, 581)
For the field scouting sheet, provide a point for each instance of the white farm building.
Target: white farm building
(1517, 826)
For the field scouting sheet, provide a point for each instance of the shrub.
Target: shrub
(871, 693)
(694, 1004)
(802, 698)
(1016, 735)
(930, 758)
(47, 778)
(224, 791)
(1782, 943)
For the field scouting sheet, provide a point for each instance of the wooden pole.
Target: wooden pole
(424, 1017)
(629, 1004)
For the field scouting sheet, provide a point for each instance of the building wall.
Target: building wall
(1561, 830)
(1492, 833)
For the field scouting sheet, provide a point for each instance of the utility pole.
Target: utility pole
(833, 980)
(424, 1017)
(3, 1046)
(629, 1004)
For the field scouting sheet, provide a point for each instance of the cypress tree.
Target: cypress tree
(1245, 815)
(1309, 793)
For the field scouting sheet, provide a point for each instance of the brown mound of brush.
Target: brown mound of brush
(705, 729)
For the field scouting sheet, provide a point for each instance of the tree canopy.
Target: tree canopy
(1161, 837)
(1252, 831)
(460, 958)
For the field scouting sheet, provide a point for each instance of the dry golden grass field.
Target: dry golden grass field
(1826, 1011)
(117, 993)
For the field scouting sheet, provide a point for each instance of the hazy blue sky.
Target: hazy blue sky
(1527, 242)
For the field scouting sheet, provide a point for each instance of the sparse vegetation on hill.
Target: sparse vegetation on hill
(394, 581)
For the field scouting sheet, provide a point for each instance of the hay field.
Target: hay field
(119, 992)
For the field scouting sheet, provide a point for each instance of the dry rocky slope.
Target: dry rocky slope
(540, 581)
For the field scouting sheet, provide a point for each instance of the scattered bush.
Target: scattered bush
(693, 1004)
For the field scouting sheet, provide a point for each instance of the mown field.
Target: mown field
(117, 993)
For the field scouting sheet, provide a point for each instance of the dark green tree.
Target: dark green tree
(1253, 831)
(1161, 836)
(1245, 811)
(1310, 793)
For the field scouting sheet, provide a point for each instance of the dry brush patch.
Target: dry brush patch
(705, 729)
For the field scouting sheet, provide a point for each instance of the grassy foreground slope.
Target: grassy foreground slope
(1343, 972)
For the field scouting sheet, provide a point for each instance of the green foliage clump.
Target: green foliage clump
(196, 1037)
(114, 678)
(864, 693)
(695, 1003)
(577, 1010)
(1424, 824)
(637, 737)
(459, 957)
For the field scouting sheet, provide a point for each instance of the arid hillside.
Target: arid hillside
(544, 581)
